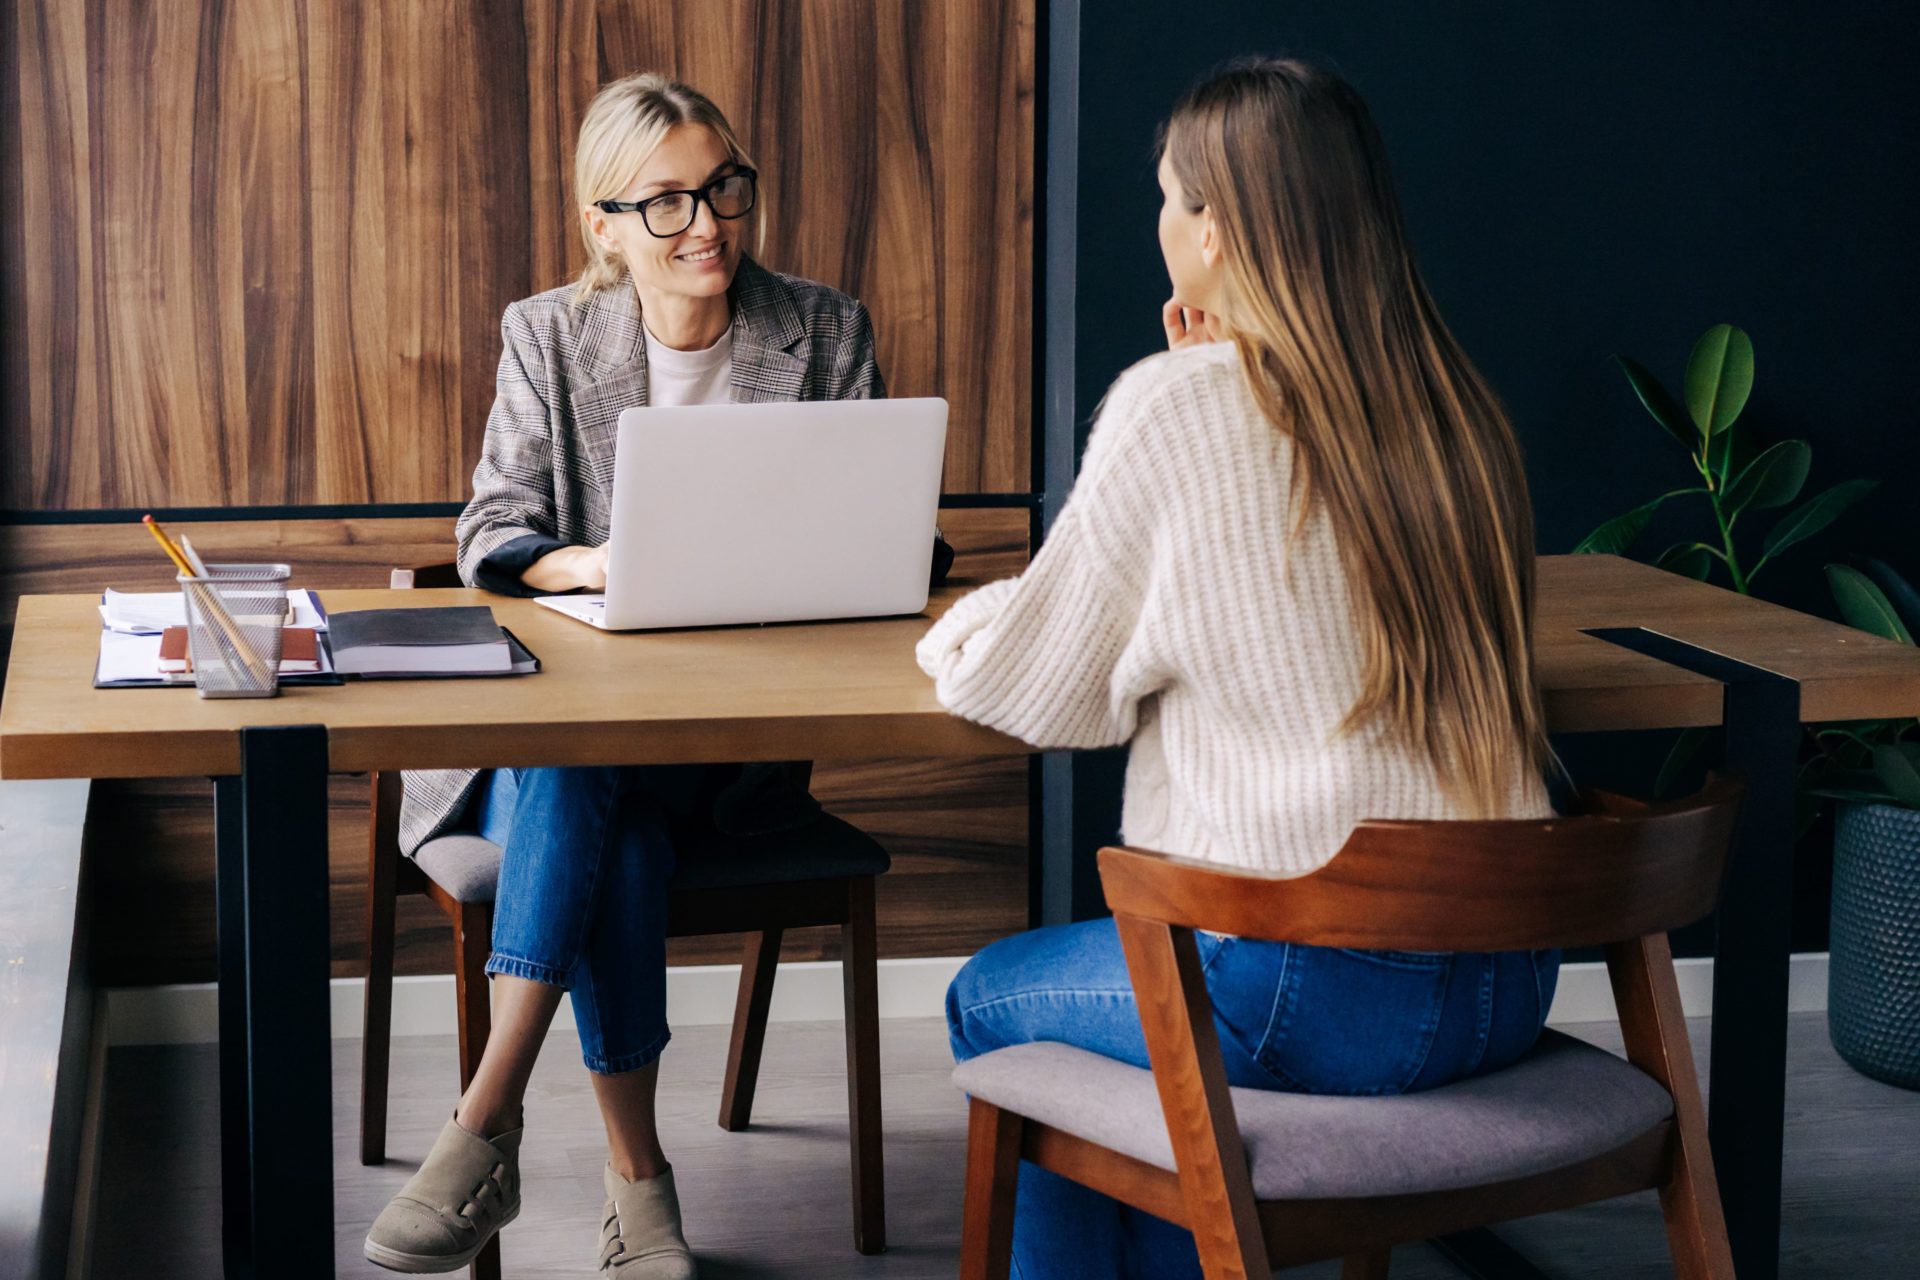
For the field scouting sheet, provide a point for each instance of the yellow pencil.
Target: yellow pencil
(166, 545)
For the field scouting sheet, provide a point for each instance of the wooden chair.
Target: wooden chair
(1267, 1180)
(761, 886)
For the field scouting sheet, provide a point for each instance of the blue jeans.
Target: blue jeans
(1295, 1018)
(582, 902)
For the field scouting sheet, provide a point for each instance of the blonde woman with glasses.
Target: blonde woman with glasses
(1296, 574)
(671, 310)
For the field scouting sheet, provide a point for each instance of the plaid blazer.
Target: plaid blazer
(567, 371)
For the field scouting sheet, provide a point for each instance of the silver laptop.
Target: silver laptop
(769, 513)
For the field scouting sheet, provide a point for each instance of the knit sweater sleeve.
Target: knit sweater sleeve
(1060, 656)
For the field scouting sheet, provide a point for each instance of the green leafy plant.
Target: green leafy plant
(1734, 482)
(1871, 761)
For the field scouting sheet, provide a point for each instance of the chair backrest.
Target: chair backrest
(1621, 870)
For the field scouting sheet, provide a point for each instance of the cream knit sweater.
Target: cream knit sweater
(1169, 608)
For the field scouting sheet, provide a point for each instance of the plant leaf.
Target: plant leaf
(1616, 535)
(1727, 453)
(1864, 734)
(1898, 774)
(1658, 403)
(1688, 559)
(1900, 592)
(1863, 606)
(1773, 479)
(1679, 756)
(1813, 515)
(1719, 378)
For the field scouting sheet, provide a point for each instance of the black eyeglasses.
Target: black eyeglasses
(671, 212)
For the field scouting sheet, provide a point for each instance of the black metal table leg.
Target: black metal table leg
(1747, 1084)
(276, 1066)
(1482, 1254)
(230, 932)
(1080, 798)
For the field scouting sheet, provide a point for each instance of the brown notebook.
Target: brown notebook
(299, 650)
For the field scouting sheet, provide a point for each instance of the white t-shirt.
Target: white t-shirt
(689, 377)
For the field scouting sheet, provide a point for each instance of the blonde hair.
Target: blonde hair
(1394, 430)
(626, 122)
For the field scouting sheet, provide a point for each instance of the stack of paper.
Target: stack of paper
(148, 613)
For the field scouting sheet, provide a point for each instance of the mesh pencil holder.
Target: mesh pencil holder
(234, 620)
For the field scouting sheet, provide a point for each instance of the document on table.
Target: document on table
(133, 624)
(129, 661)
(148, 613)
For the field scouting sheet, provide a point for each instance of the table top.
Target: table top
(794, 692)
(1589, 684)
(842, 690)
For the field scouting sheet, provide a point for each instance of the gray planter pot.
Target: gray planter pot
(1873, 983)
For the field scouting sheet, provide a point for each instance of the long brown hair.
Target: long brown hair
(1394, 431)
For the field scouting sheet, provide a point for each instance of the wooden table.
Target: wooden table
(852, 690)
(847, 690)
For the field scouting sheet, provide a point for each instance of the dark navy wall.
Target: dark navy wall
(1578, 180)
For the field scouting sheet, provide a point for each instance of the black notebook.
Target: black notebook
(463, 641)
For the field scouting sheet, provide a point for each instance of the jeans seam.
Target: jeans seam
(501, 964)
(1483, 1026)
(603, 1066)
(1273, 1014)
(1222, 941)
(1112, 993)
(593, 874)
(1430, 1029)
(972, 1011)
(594, 1022)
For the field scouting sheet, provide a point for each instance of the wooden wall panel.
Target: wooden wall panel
(957, 829)
(258, 252)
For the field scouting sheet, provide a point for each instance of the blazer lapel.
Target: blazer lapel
(613, 361)
(766, 329)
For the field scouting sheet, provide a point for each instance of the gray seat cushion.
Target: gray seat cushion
(464, 864)
(1563, 1102)
(467, 866)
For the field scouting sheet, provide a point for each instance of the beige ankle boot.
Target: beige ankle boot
(640, 1236)
(467, 1188)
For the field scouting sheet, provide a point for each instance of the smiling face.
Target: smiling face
(700, 262)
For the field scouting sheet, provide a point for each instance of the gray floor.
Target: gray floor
(773, 1202)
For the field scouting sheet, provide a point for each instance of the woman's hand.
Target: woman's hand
(569, 569)
(1187, 326)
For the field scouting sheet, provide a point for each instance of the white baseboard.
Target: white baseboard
(1585, 995)
(807, 991)
(697, 995)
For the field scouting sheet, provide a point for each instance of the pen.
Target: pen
(192, 558)
(166, 545)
